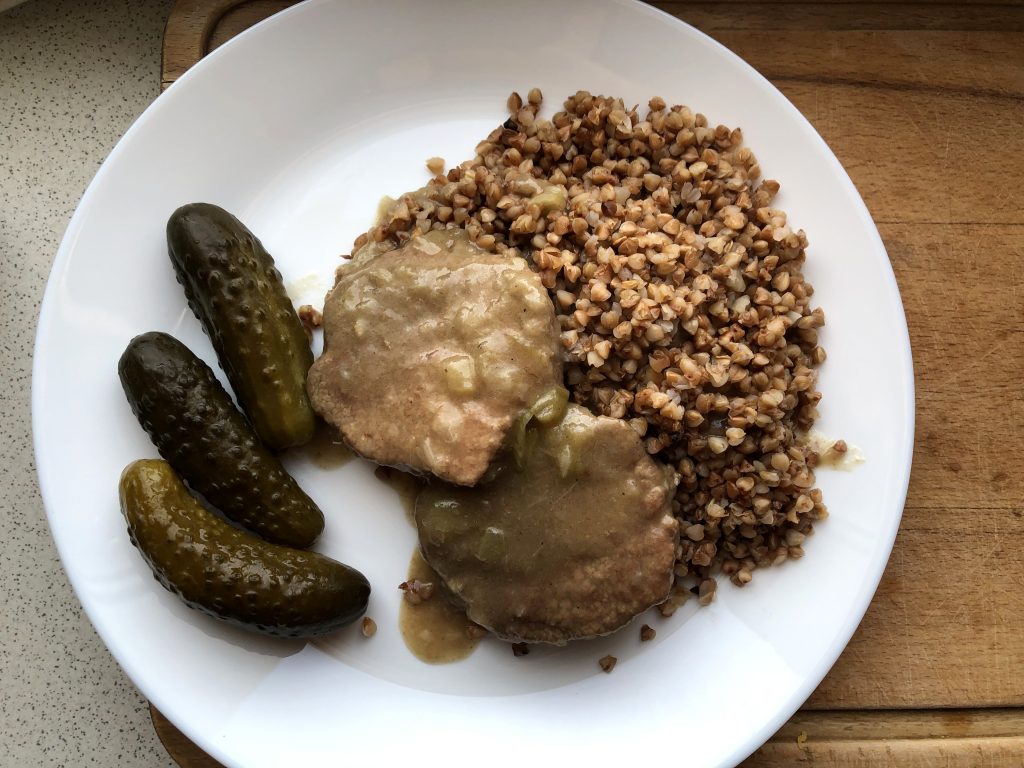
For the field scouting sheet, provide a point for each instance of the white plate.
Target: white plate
(298, 127)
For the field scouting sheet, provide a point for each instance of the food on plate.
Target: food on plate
(228, 573)
(236, 292)
(432, 351)
(574, 544)
(433, 628)
(547, 410)
(311, 318)
(195, 426)
(593, 341)
(680, 299)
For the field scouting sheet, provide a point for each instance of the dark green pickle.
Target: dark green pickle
(236, 292)
(196, 427)
(227, 573)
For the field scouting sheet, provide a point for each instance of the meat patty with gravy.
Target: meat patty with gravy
(573, 544)
(431, 352)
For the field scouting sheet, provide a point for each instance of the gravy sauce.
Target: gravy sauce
(434, 630)
(326, 450)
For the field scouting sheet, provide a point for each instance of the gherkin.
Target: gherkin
(228, 573)
(195, 426)
(236, 292)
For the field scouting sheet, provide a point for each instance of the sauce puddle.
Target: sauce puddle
(434, 630)
(326, 450)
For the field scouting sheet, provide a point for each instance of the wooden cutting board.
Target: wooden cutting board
(924, 105)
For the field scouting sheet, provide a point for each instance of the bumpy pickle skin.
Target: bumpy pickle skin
(236, 292)
(228, 573)
(195, 426)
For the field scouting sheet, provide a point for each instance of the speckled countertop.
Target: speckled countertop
(74, 74)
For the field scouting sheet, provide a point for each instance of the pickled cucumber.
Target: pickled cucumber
(237, 294)
(227, 573)
(197, 428)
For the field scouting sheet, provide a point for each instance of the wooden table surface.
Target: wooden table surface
(923, 103)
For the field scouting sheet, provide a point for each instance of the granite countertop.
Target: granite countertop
(74, 74)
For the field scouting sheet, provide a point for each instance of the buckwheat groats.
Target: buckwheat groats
(680, 299)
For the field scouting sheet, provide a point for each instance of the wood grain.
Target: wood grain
(922, 103)
(242, 17)
(963, 289)
(187, 34)
(770, 17)
(185, 753)
(907, 739)
(944, 628)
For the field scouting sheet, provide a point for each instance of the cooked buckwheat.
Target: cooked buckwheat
(681, 299)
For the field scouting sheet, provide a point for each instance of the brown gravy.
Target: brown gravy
(435, 631)
(573, 542)
(326, 450)
(431, 319)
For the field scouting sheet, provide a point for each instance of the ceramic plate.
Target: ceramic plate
(299, 126)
